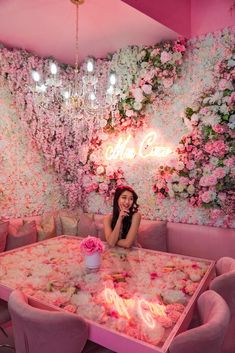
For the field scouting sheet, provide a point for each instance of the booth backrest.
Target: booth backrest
(186, 239)
(200, 241)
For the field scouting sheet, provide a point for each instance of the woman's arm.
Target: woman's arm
(131, 235)
(112, 236)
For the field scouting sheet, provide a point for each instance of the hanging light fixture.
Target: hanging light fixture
(86, 95)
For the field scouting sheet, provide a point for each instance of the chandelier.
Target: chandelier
(87, 94)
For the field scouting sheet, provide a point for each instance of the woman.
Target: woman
(121, 227)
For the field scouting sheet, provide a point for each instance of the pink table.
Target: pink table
(137, 301)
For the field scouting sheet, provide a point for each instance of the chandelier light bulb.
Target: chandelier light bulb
(36, 76)
(86, 96)
(53, 68)
(90, 65)
(112, 79)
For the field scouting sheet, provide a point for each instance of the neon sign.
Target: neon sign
(125, 148)
(145, 308)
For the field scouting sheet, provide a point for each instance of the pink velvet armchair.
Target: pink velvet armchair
(224, 284)
(208, 337)
(36, 330)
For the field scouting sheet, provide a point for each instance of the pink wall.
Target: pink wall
(189, 18)
(171, 13)
(211, 15)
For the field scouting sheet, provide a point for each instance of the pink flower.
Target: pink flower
(70, 308)
(91, 245)
(138, 94)
(147, 89)
(219, 173)
(224, 84)
(208, 181)
(217, 148)
(190, 165)
(232, 97)
(218, 128)
(207, 196)
(167, 82)
(165, 56)
(229, 162)
(179, 48)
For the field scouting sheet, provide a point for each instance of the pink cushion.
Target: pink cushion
(24, 235)
(3, 235)
(152, 235)
(86, 225)
(99, 226)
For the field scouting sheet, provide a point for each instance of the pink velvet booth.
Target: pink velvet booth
(224, 284)
(42, 331)
(200, 241)
(208, 337)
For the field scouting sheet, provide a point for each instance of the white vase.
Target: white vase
(93, 261)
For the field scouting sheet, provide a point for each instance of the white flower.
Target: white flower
(129, 112)
(100, 170)
(179, 166)
(137, 106)
(138, 94)
(174, 296)
(191, 189)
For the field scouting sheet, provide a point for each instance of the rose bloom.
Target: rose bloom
(179, 166)
(208, 181)
(91, 245)
(208, 196)
(218, 128)
(129, 113)
(147, 89)
(179, 48)
(230, 162)
(167, 82)
(219, 173)
(137, 94)
(216, 148)
(190, 189)
(190, 165)
(109, 171)
(165, 56)
(100, 170)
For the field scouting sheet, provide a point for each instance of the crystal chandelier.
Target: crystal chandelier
(86, 95)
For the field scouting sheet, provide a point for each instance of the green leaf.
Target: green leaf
(189, 112)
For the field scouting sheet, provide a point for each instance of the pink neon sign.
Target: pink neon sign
(126, 149)
(145, 309)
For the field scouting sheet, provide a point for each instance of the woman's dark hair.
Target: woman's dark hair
(126, 224)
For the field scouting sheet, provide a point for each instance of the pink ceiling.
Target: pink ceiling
(47, 27)
(173, 14)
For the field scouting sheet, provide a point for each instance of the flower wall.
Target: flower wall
(171, 136)
(27, 185)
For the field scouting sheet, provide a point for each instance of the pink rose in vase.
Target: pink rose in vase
(91, 245)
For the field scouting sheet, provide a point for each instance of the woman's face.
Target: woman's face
(125, 200)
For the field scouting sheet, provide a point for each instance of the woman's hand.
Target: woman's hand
(123, 213)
